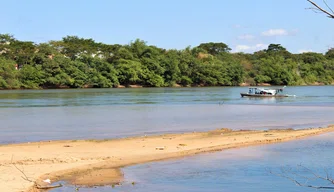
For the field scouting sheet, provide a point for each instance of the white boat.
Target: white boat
(264, 92)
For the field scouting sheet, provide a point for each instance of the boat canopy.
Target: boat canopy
(260, 90)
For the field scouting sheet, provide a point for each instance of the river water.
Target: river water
(34, 115)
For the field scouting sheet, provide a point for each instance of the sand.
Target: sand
(97, 162)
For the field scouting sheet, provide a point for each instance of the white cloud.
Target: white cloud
(275, 32)
(305, 50)
(261, 46)
(242, 48)
(250, 48)
(246, 37)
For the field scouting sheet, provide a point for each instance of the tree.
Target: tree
(6, 38)
(316, 7)
(73, 46)
(8, 74)
(330, 53)
(215, 48)
(171, 64)
(75, 62)
(278, 49)
(302, 176)
(31, 77)
(272, 48)
(130, 72)
(311, 57)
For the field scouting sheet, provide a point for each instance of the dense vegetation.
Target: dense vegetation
(75, 62)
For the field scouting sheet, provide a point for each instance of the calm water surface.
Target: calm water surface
(246, 169)
(33, 115)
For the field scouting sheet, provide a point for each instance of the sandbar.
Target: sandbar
(24, 166)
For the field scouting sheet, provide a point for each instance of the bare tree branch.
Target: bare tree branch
(327, 178)
(315, 10)
(293, 176)
(328, 6)
(330, 15)
(25, 177)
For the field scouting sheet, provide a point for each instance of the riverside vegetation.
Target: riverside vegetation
(75, 62)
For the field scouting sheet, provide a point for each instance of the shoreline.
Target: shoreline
(177, 86)
(98, 162)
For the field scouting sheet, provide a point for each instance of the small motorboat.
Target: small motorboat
(263, 92)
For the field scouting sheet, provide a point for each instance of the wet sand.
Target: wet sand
(97, 162)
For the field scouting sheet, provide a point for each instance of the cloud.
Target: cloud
(246, 37)
(305, 50)
(275, 32)
(250, 48)
(242, 48)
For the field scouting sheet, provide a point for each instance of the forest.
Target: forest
(75, 62)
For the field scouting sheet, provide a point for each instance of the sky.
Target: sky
(244, 25)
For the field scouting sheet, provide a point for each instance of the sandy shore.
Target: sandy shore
(97, 162)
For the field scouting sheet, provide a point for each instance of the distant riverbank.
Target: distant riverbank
(96, 162)
(174, 86)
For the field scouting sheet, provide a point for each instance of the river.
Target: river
(35, 115)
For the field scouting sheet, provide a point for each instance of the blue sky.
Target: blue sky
(245, 25)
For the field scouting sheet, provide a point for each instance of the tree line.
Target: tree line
(74, 62)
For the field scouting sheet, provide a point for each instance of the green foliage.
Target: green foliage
(8, 74)
(312, 57)
(31, 76)
(274, 48)
(330, 53)
(214, 48)
(130, 72)
(154, 80)
(75, 62)
(6, 38)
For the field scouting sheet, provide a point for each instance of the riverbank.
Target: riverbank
(97, 162)
(173, 86)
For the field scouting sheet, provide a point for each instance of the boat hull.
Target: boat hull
(260, 95)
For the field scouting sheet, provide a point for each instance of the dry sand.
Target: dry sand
(97, 162)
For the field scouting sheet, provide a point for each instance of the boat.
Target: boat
(264, 92)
